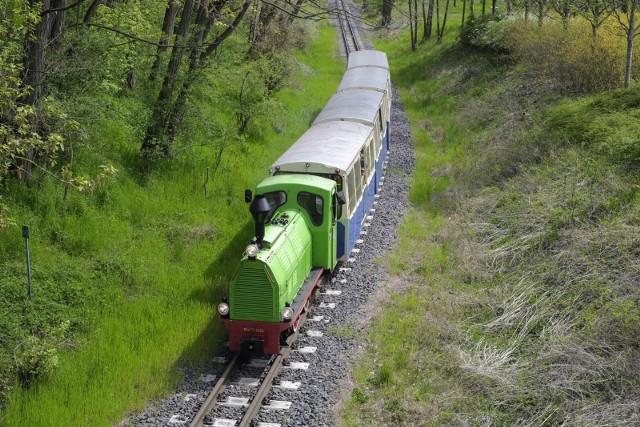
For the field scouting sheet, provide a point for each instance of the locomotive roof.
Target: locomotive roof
(276, 182)
(331, 144)
(358, 105)
(368, 58)
(365, 78)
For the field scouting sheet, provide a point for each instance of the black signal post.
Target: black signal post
(25, 234)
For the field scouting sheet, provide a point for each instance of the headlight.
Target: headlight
(287, 313)
(223, 308)
(252, 251)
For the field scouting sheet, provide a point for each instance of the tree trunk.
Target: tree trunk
(444, 21)
(155, 137)
(198, 56)
(413, 44)
(387, 7)
(58, 20)
(298, 6)
(484, 7)
(493, 7)
(541, 12)
(429, 28)
(254, 28)
(437, 18)
(33, 75)
(227, 32)
(168, 23)
(631, 33)
(464, 9)
(415, 24)
(424, 21)
(93, 8)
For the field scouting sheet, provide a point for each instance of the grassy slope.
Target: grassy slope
(136, 270)
(513, 298)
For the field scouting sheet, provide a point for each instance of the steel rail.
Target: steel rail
(267, 381)
(349, 33)
(265, 386)
(210, 401)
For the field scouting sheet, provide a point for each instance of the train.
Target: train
(310, 210)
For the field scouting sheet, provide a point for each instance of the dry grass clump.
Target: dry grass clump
(561, 243)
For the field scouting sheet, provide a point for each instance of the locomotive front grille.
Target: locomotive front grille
(252, 296)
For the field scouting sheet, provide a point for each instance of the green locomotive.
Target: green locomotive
(295, 218)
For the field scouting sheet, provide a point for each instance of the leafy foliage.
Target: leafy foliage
(487, 32)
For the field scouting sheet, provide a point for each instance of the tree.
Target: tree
(563, 8)
(626, 16)
(540, 10)
(196, 39)
(444, 21)
(596, 12)
(413, 23)
(387, 7)
(428, 26)
(168, 25)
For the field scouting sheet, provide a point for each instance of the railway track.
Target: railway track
(210, 413)
(251, 405)
(348, 28)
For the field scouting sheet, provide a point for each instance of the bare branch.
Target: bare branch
(60, 9)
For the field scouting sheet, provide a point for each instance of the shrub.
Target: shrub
(617, 135)
(487, 32)
(568, 56)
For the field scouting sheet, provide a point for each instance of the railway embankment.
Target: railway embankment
(512, 297)
(126, 275)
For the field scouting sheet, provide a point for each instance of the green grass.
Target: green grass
(136, 269)
(512, 271)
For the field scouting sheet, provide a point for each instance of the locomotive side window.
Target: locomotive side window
(275, 199)
(313, 204)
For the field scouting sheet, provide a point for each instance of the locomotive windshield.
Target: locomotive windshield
(275, 199)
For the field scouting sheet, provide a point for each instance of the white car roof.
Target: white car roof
(365, 78)
(358, 105)
(332, 145)
(368, 58)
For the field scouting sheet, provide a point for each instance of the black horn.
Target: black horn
(260, 209)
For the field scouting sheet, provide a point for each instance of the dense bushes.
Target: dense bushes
(487, 32)
(568, 57)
